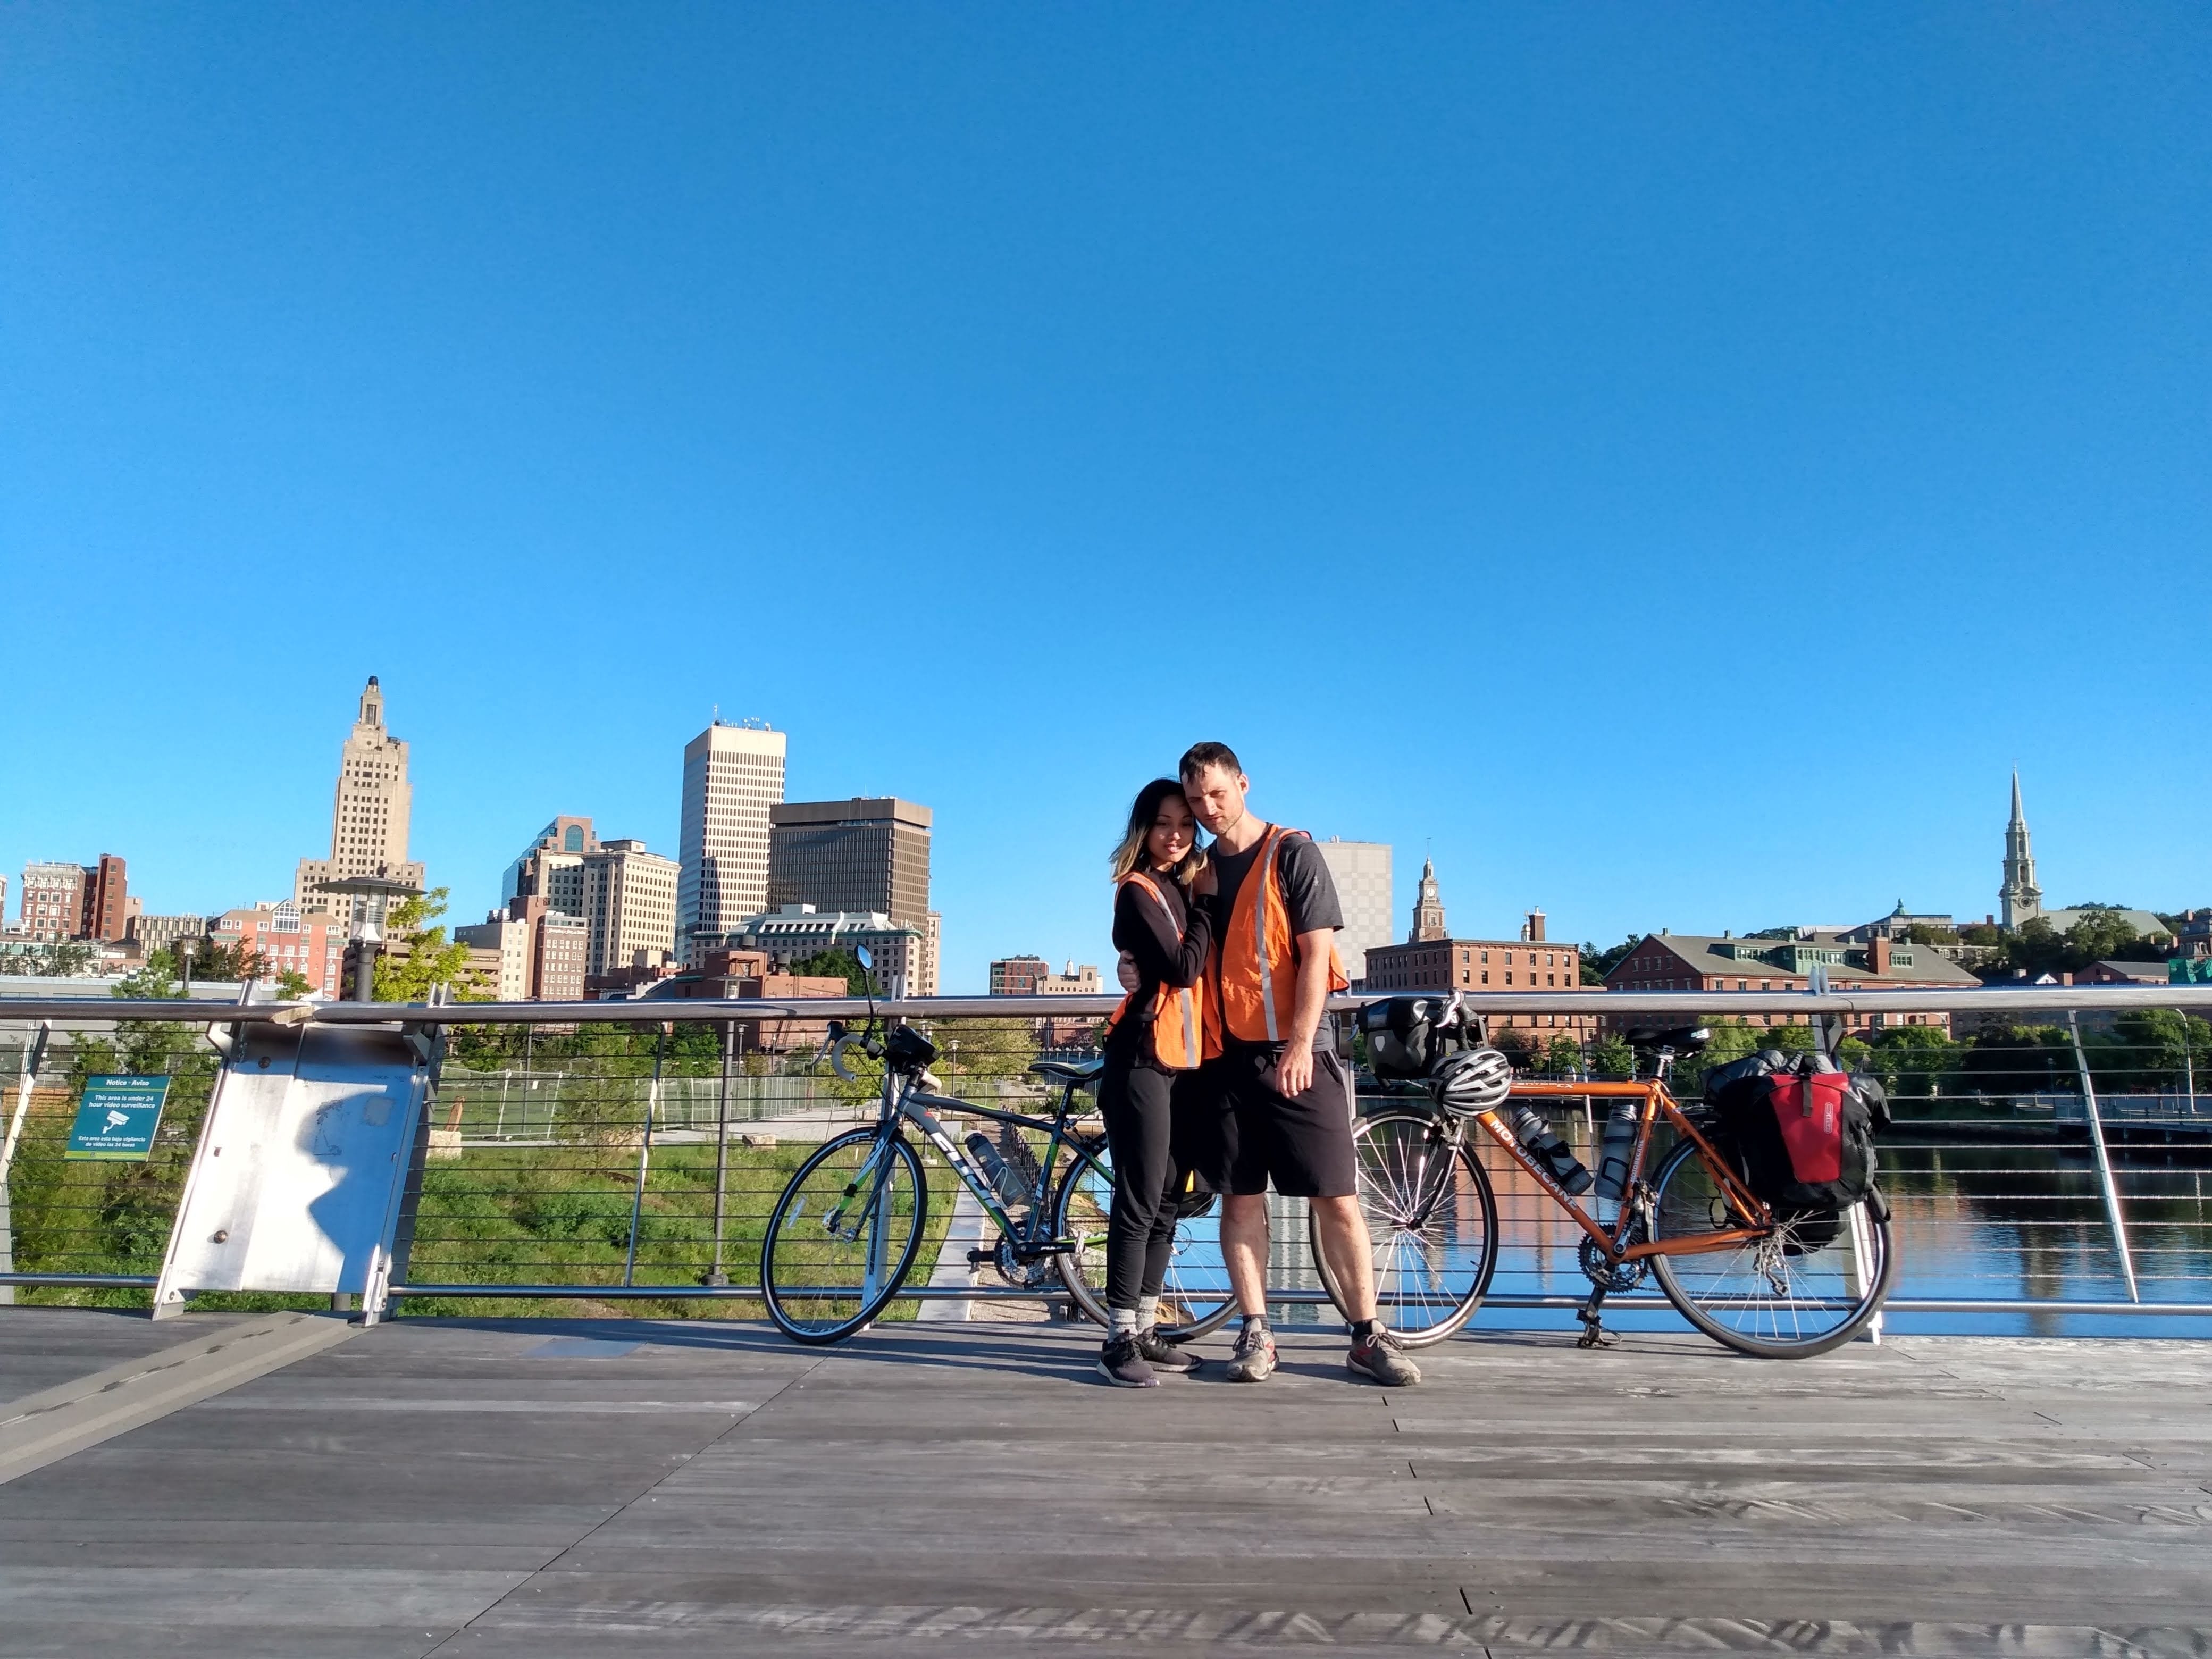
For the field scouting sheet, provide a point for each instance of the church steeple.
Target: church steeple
(1429, 908)
(2019, 896)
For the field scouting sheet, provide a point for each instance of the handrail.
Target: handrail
(2055, 999)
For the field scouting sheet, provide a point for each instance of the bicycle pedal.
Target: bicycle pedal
(982, 1258)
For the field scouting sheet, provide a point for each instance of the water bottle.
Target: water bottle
(1616, 1145)
(995, 1169)
(1548, 1150)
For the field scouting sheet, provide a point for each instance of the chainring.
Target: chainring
(1609, 1275)
(1023, 1275)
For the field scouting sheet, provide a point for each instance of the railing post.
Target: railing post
(2188, 1060)
(645, 1154)
(716, 1276)
(2104, 1158)
(34, 1055)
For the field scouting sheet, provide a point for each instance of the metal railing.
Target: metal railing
(2063, 1182)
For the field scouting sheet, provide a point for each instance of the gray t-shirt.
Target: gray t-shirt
(1309, 890)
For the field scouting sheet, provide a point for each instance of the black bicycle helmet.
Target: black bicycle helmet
(1472, 1082)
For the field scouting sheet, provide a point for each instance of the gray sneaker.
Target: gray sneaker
(1255, 1359)
(1162, 1355)
(1380, 1355)
(1122, 1363)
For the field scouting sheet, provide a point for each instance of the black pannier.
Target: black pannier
(1802, 1133)
(1407, 1036)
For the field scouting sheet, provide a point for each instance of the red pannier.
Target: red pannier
(1802, 1137)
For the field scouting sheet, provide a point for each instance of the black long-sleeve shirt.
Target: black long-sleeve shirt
(1170, 942)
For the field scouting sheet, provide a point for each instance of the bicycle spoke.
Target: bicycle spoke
(1801, 1288)
(1431, 1221)
(844, 1236)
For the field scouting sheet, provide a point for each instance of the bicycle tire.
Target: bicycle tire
(1694, 1283)
(1395, 1186)
(1196, 1300)
(793, 1295)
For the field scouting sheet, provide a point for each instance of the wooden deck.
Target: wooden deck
(553, 1490)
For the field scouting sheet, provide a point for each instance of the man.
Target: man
(1283, 1098)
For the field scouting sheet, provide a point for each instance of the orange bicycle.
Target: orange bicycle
(1779, 1286)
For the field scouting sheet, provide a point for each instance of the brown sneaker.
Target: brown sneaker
(1255, 1359)
(1381, 1356)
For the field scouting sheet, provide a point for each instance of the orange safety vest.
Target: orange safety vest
(1254, 970)
(1177, 1015)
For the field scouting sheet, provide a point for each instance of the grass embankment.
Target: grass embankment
(553, 1215)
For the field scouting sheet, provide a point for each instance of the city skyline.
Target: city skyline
(972, 977)
(876, 374)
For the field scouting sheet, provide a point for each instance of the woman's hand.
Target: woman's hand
(1203, 883)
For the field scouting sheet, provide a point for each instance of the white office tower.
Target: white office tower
(731, 775)
(1361, 870)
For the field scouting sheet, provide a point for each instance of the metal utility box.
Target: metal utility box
(302, 1164)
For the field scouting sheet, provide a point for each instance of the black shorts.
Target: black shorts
(1243, 1135)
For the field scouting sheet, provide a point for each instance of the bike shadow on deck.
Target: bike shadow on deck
(1066, 1352)
(1041, 1351)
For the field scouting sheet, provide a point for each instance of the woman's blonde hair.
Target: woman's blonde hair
(1131, 852)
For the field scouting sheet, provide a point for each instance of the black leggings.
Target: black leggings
(1140, 1233)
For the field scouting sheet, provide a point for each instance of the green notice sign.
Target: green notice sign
(116, 1117)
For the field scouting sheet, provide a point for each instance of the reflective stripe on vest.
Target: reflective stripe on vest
(1177, 1020)
(1255, 975)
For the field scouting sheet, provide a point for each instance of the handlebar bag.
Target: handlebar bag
(1398, 1034)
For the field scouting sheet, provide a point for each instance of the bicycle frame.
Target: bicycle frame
(1658, 1103)
(910, 1105)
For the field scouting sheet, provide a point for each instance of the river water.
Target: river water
(1974, 1218)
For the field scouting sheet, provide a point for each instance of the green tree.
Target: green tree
(1913, 1060)
(1731, 1040)
(2103, 935)
(233, 963)
(1612, 1059)
(1562, 1057)
(292, 984)
(2019, 1059)
(66, 960)
(2155, 1049)
(836, 964)
(418, 956)
(1597, 963)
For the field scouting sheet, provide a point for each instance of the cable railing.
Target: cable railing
(2050, 1170)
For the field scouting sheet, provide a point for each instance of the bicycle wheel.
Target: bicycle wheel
(1795, 1293)
(843, 1234)
(1432, 1220)
(1196, 1298)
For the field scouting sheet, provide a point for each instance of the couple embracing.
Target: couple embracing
(1220, 1065)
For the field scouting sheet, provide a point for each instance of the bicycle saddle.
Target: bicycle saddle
(1682, 1039)
(1068, 1071)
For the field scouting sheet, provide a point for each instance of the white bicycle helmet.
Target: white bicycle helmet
(1472, 1082)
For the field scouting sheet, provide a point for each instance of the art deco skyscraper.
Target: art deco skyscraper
(731, 775)
(369, 825)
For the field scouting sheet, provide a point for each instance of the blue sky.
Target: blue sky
(1672, 461)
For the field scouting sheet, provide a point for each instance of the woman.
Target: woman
(1158, 1032)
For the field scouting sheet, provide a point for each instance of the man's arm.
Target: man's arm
(1294, 1076)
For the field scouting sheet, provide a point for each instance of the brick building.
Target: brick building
(103, 911)
(1018, 976)
(52, 900)
(311, 946)
(1489, 964)
(89, 902)
(1686, 962)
